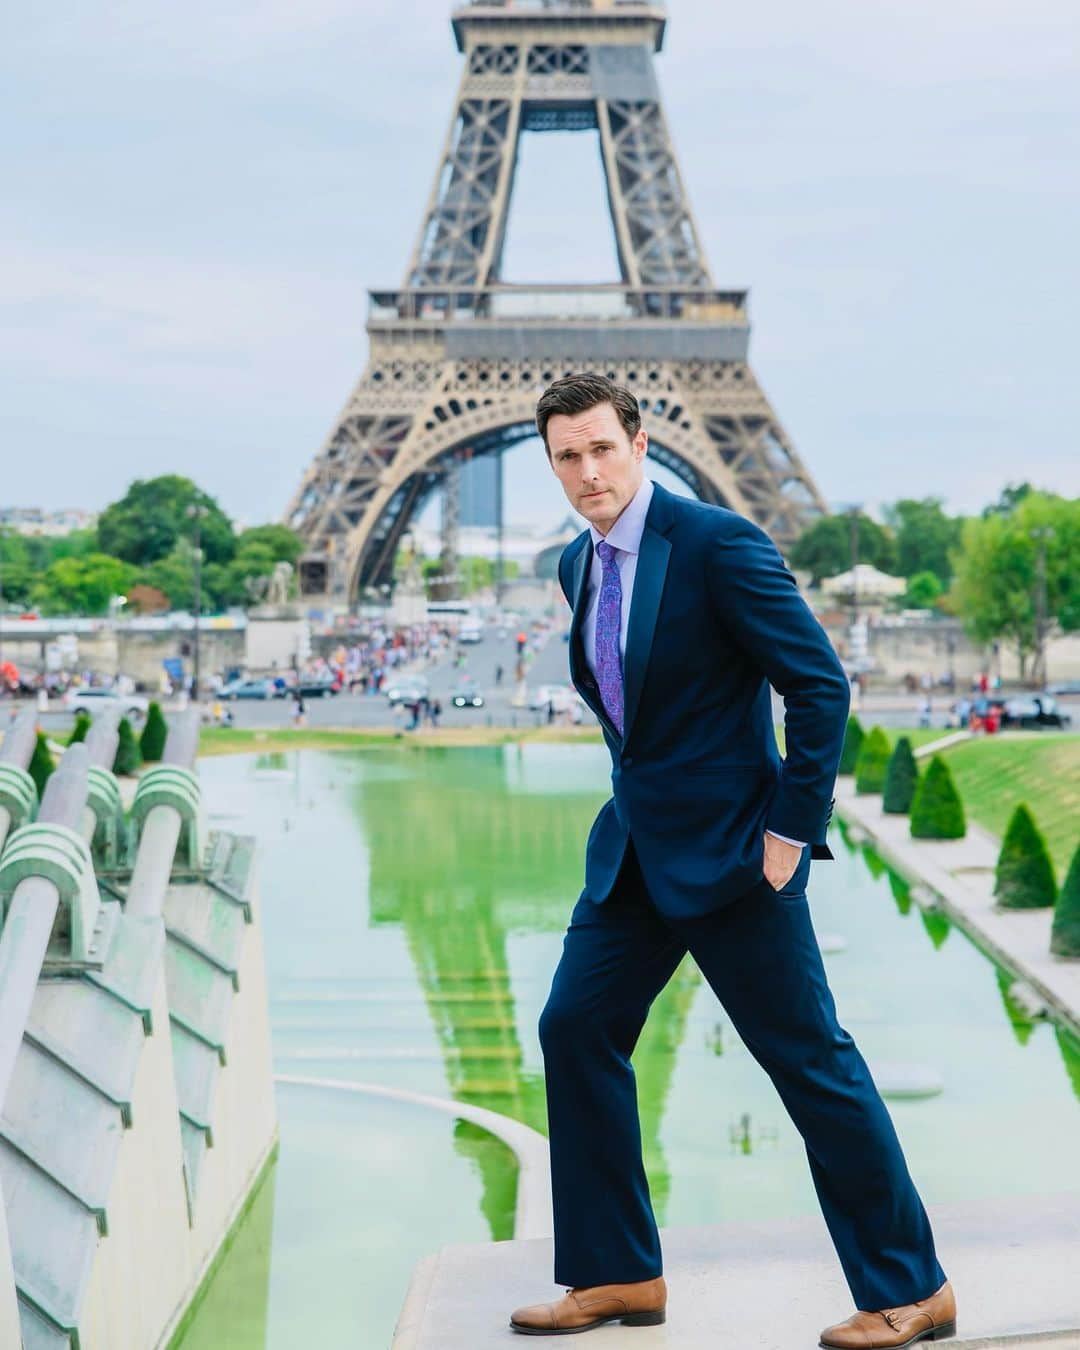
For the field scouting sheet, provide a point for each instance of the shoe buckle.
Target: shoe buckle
(892, 1316)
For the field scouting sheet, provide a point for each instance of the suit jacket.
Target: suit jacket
(697, 777)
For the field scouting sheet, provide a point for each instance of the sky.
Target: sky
(197, 198)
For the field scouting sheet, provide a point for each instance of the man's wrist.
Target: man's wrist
(799, 843)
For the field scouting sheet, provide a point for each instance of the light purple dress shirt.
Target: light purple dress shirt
(624, 535)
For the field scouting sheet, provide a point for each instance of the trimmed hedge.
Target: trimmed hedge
(1025, 875)
(937, 811)
(42, 765)
(127, 758)
(873, 762)
(853, 739)
(154, 734)
(79, 730)
(1065, 934)
(901, 780)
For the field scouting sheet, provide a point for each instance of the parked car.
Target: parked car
(561, 695)
(247, 689)
(466, 695)
(1032, 711)
(407, 689)
(1065, 687)
(318, 688)
(88, 700)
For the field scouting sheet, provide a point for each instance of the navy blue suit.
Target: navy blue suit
(674, 864)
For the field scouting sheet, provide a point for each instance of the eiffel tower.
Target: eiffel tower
(458, 358)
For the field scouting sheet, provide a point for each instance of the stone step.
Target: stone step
(774, 1286)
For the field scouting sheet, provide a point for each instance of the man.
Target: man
(683, 615)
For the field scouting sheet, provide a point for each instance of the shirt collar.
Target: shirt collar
(626, 533)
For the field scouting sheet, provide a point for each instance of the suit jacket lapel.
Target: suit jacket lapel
(649, 580)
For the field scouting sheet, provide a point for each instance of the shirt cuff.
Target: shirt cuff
(799, 843)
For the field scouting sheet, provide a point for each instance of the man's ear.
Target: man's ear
(641, 444)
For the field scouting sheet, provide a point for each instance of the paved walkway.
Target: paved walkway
(958, 876)
(772, 1286)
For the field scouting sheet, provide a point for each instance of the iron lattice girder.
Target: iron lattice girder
(458, 359)
(708, 421)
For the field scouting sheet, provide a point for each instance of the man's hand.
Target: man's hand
(781, 860)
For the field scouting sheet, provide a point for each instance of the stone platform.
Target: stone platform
(1015, 1266)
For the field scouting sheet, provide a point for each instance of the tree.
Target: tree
(936, 809)
(16, 569)
(79, 730)
(924, 537)
(901, 779)
(283, 544)
(1024, 878)
(1065, 933)
(995, 590)
(872, 763)
(127, 749)
(824, 548)
(924, 591)
(75, 585)
(853, 739)
(173, 576)
(41, 764)
(1010, 499)
(154, 734)
(146, 524)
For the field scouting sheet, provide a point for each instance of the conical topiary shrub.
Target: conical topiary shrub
(853, 739)
(1025, 875)
(127, 749)
(41, 764)
(79, 730)
(873, 761)
(1065, 934)
(154, 734)
(901, 779)
(937, 811)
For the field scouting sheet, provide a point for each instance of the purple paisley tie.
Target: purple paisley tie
(608, 626)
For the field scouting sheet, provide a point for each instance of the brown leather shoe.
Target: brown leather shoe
(928, 1319)
(634, 1305)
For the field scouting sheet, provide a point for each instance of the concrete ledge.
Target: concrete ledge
(774, 1286)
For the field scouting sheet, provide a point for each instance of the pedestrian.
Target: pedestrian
(926, 707)
(705, 847)
(498, 675)
(299, 710)
(436, 712)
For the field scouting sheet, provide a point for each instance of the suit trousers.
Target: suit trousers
(761, 957)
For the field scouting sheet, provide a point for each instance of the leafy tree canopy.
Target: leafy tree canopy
(924, 536)
(824, 549)
(994, 591)
(146, 524)
(81, 585)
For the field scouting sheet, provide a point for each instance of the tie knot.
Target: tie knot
(606, 551)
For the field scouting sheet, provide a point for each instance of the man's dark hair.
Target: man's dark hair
(580, 392)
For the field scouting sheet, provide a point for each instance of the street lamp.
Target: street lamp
(196, 511)
(1040, 533)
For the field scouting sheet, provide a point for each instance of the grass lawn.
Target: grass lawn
(240, 741)
(994, 773)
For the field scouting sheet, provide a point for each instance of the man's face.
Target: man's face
(599, 467)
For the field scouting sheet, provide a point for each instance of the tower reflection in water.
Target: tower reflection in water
(474, 847)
